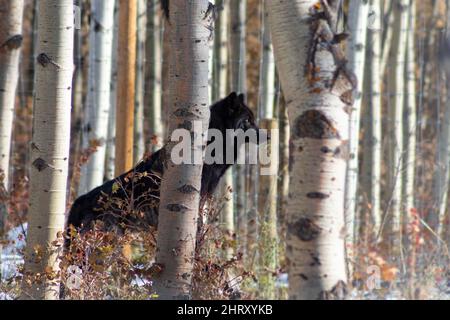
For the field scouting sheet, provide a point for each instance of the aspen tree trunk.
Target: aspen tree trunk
(153, 88)
(110, 159)
(139, 138)
(358, 17)
(267, 184)
(392, 223)
(375, 136)
(410, 116)
(97, 114)
(126, 85)
(319, 133)
(220, 85)
(165, 97)
(11, 13)
(237, 72)
(50, 146)
(283, 182)
(437, 220)
(180, 188)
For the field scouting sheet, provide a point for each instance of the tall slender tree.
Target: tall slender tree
(318, 89)
(358, 18)
(375, 99)
(153, 82)
(11, 13)
(180, 188)
(237, 72)
(139, 138)
(99, 90)
(220, 85)
(126, 85)
(396, 85)
(49, 147)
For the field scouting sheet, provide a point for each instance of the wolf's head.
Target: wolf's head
(232, 113)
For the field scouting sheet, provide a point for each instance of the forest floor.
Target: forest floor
(11, 260)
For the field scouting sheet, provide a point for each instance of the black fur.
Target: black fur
(110, 203)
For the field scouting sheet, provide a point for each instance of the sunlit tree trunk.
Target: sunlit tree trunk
(153, 89)
(126, 80)
(99, 91)
(439, 220)
(180, 188)
(110, 157)
(319, 133)
(358, 17)
(11, 13)
(396, 87)
(139, 138)
(267, 184)
(410, 121)
(375, 99)
(50, 146)
(237, 72)
(283, 182)
(219, 91)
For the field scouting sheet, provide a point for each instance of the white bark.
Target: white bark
(319, 129)
(110, 159)
(410, 115)
(392, 225)
(139, 139)
(50, 144)
(375, 136)
(10, 42)
(219, 91)
(180, 188)
(358, 18)
(153, 85)
(267, 72)
(99, 91)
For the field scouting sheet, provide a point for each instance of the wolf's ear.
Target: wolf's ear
(232, 102)
(241, 98)
(232, 97)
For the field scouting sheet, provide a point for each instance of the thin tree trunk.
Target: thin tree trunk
(267, 184)
(11, 13)
(409, 116)
(319, 131)
(237, 69)
(180, 188)
(220, 85)
(110, 159)
(99, 91)
(126, 85)
(392, 223)
(153, 84)
(50, 147)
(438, 221)
(283, 182)
(139, 137)
(375, 136)
(358, 17)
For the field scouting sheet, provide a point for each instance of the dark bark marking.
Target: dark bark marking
(183, 113)
(314, 124)
(13, 43)
(186, 189)
(317, 195)
(44, 60)
(175, 207)
(305, 229)
(40, 164)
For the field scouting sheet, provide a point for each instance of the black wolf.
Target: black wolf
(131, 200)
